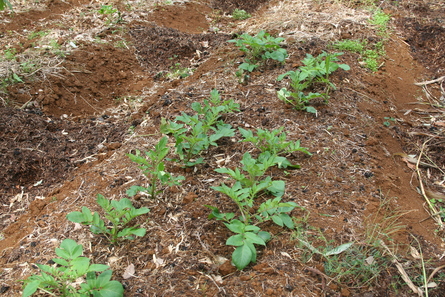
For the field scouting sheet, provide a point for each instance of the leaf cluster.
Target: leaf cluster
(274, 141)
(60, 279)
(240, 14)
(315, 69)
(260, 47)
(246, 188)
(196, 133)
(153, 167)
(118, 213)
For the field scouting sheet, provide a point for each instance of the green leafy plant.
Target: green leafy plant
(113, 15)
(274, 141)
(380, 19)
(177, 71)
(153, 167)
(315, 70)
(4, 3)
(388, 121)
(259, 48)
(118, 213)
(61, 279)
(244, 191)
(9, 54)
(370, 54)
(196, 133)
(240, 14)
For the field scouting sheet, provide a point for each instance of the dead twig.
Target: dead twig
(440, 79)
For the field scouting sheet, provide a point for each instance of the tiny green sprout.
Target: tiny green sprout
(240, 14)
(388, 121)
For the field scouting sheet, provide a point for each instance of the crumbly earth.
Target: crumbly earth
(66, 129)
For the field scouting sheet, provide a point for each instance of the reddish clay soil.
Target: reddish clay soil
(64, 136)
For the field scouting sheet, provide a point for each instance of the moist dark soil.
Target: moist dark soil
(65, 135)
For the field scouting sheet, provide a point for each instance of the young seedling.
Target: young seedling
(273, 141)
(118, 213)
(258, 49)
(153, 167)
(194, 134)
(244, 191)
(113, 15)
(240, 14)
(70, 269)
(315, 69)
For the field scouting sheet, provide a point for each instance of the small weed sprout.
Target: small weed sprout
(244, 191)
(118, 213)
(153, 167)
(370, 53)
(240, 14)
(113, 15)
(315, 70)
(380, 20)
(70, 268)
(177, 72)
(194, 134)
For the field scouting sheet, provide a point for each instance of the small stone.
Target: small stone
(226, 268)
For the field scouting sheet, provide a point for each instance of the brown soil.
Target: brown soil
(65, 133)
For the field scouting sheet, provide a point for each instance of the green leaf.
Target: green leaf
(338, 250)
(97, 268)
(134, 190)
(252, 228)
(277, 188)
(62, 262)
(104, 278)
(81, 265)
(277, 220)
(264, 235)
(77, 217)
(287, 220)
(310, 109)
(30, 288)
(111, 289)
(253, 238)
(236, 226)
(104, 203)
(242, 256)
(235, 240)
(69, 249)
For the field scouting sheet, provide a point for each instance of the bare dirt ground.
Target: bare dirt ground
(98, 89)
